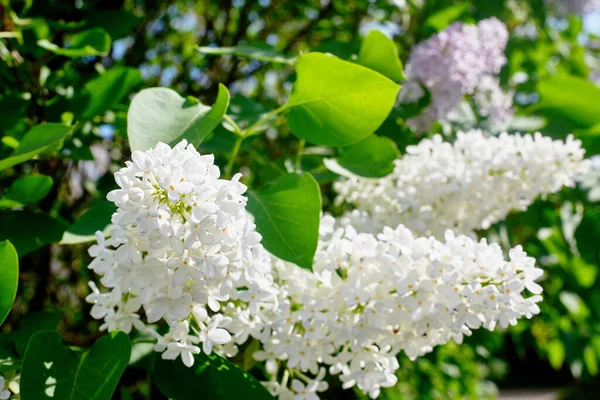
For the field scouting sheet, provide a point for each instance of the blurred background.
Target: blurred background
(46, 76)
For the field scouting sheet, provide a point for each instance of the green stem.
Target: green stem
(236, 128)
(299, 155)
(258, 125)
(233, 156)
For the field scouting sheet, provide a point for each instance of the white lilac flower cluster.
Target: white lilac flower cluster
(182, 250)
(9, 386)
(371, 296)
(565, 7)
(463, 186)
(461, 60)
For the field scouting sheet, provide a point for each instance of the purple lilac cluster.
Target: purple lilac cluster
(456, 62)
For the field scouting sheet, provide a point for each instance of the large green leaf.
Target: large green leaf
(9, 271)
(287, 213)
(28, 231)
(162, 115)
(96, 218)
(257, 51)
(30, 189)
(91, 42)
(211, 377)
(338, 103)
(53, 371)
(32, 323)
(380, 53)
(569, 100)
(106, 91)
(40, 138)
(372, 157)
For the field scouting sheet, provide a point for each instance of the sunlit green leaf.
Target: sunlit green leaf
(9, 273)
(371, 157)
(337, 103)
(380, 53)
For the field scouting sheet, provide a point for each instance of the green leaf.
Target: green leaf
(556, 354)
(91, 42)
(32, 323)
(106, 91)
(590, 360)
(566, 99)
(337, 103)
(441, 19)
(39, 139)
(96, 218)
(30, 189)
(257, 51)
(53, 371)
(117, 23)
(9, 271)
(584, 273)
(380, 53)
(575, 305)
(371, 157)
(28, 231)
(9, 359)
(287, 214)
(211, 377)
(161, 115)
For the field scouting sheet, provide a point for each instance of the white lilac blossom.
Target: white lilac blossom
(463, 186)
(370, 297)
(9, 386)
(565, 7)
(182, 250)
(453, 63)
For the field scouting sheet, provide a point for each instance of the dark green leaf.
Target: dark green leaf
(96, 218)
(257, 51)
(9, 273)
(9, 359)
(53, 371)
(91, 42)
(287, 213)
(161, 115)
(30, 189)
(32, 323)
(28, 231)
(211, 377)
(372, 157)
(338, 103)
(117, 23)
(40, 138)
(105, 91)
(380, 53)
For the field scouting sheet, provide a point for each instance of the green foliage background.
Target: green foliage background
(68, 71)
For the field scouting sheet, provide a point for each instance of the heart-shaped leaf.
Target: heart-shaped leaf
(9, 273)
(161, 115)
(96, 218)
(30, 189)
(287, 215)
(28, 231)
(53, 371)
(211, 377)
(337, 103)
(372, 157)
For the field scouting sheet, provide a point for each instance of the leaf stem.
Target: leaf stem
(236, 129)
(233, 156)
(299, 155)
(258, 125)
